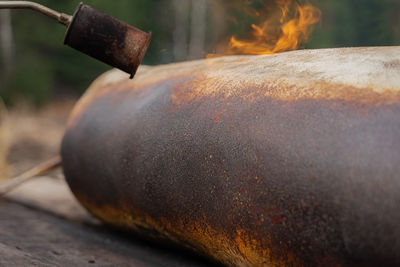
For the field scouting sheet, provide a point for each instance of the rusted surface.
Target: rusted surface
(280, 160)
(107, 39)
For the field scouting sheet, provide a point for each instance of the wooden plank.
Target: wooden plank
(30, 237)
(42, 224)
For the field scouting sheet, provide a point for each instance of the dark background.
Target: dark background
(36, 67)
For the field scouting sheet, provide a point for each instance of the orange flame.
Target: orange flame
(284, 30)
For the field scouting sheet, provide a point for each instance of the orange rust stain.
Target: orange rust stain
(279, 89)
(288, 77)
(273, 215)
(249, 249)
(198, 235)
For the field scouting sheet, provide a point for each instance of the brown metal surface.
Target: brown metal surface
(107, 39)
(279, 160)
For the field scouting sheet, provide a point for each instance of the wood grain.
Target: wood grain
(41, 224)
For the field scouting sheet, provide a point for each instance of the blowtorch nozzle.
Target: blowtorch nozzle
(96, 34)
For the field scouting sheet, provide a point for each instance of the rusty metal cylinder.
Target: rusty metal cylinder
(107, 39)
(278, 160)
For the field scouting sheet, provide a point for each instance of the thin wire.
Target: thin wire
(60, 17)
(26, 176)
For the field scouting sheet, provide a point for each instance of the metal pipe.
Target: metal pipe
(290, 159)
(60, 17)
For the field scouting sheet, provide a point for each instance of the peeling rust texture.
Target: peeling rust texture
(279, 160)
(107, 39)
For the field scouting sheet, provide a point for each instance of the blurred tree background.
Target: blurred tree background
(37, 67)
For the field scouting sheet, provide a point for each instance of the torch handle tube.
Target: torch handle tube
(60, 17)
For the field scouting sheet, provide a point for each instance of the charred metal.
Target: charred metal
(107, 39)
(280, 160)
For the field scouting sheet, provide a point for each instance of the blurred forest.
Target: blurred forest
(37, 67)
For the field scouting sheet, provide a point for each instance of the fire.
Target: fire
(283, 28)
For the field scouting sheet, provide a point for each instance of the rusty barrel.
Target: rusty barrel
(290, 159)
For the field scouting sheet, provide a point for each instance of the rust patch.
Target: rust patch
(256, 77)
(393, 64)
(280, 89)
(238, 250)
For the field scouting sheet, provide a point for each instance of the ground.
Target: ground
(29, 136)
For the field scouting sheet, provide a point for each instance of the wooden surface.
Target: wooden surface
(42, 224)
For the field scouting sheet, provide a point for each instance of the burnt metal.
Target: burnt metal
(287, 168)
(107, 39)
